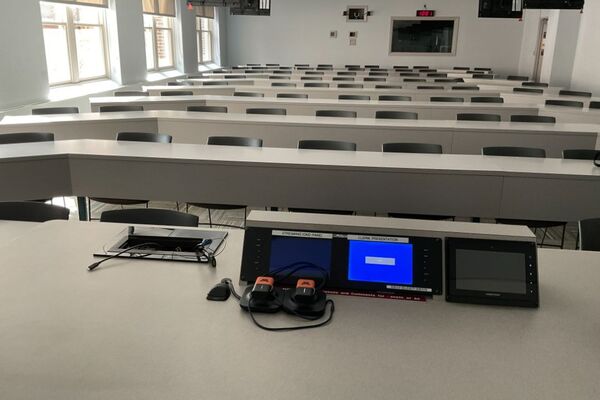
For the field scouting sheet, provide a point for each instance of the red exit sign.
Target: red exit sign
(425, 13)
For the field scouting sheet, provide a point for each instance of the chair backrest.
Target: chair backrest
(272, 65)
(396, 115)
(580, 154)
(343, 78)
(279, 77)
(31, 211)
(150, 216)
(248, 94)
(131, 93)
(212, 109)
(535, 84)
(215, 83)
(461, 68)
(513, 151)
(311, 78)
(177, 93)
(267, 111)
(528, 90)
(234, 141)
(353, 97)
(326, 145)
(336, 113)
(371, 65)
(235, 76)
(120, 108)
(324, 65)
(292, 95)
(517, 78)
(26, 137)
(316, 84)
(447, 99)
(388, 87)
(347, 73)
(55, 110)
(589, 234)
(282, 84)
(483, 76)
(378, 74)
(465, 87)
(565, 103)
(373, 79)
(414, 80)
(487, 99)
(302, 65)
(420, 66)
(409, 74)
(437, 75)
(574, 93)
(429, 87)
(314, 73)
(351, 66)
(392, 97)
(144, 137)
(594, 104)
(350, 85)
(176, 84)
(482, 69)
(478, 117)
(428, 148)
(533, 118)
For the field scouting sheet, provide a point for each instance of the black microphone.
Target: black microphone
(96, 264)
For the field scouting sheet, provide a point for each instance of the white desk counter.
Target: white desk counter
(458, 137)
(12, 230)
(570, 114)
(461, 185)
(144, 329)
(365, 109)
(527, 98)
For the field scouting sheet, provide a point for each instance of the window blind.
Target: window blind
(96, 3)
(205, 11)
(159, 7)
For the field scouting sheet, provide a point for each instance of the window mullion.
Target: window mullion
(155, 44)
(71, 44)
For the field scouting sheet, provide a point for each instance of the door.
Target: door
(539, 54)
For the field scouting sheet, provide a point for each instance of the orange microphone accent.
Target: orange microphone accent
(305, 283)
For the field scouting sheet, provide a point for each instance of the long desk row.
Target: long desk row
(457, 137)
(462, 185)
(143, 329)
(363, 108)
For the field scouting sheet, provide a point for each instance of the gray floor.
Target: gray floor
(235, 218)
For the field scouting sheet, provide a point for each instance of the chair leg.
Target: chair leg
(544, 237)
(209, 218)
(89, 201)
(562, 240)
(245, 216)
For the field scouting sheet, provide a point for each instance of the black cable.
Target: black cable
(96, 264)
(293, 328)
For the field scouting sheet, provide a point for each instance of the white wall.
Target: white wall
(23, 73)
(298, 31)
(586, 68)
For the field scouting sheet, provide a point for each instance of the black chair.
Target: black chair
(311, 78)
(378, 74)
(130, 137)
(351, 66)
(292, 96)
(429, 87)
(235, 76)
(414, 80)
(533, 118)
(478, 117)
(420, 66)
(177, 93)
(316, 85)
(409, 74)
(428, 148)
(482, 69)
(248, 94)
(279, 77)
(227, 141)
(372, 79)
(120, 108)
(437, 75)
(215, 83)
(272, 65)
(176, 84)
(371, 66)
(483, 76)
(324, 65)
(55, 110)
(302, 65)
(391, 97)
(449, 80)
(517, 78)
(131, 93)
(347, 73)
(336, 113)
(31, 211)
(589, 234)
(314, 73)
(396, 115)
(144, 137)
(594, 104)
(388, 87)
(211, 109)
(326, 145)
(574, 93)
(528, 90)
(465, 87)
(267, 111)
(353, 97)
(447, 99)
(423, 148)
(580, 154)
(507, 151)
(565, 103)
(487, 99)
(150, 216)
(461, 68)
(534, 84)
(350, 86)
(282, 84)
(26, 137)
(342, 78)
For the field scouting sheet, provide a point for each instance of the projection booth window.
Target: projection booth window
(424, 36)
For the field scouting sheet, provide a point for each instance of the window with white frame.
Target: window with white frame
(158, 31)
(75, 40)
(204, 33)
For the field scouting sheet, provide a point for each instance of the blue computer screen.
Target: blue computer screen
(382, 262)
(289, 250)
